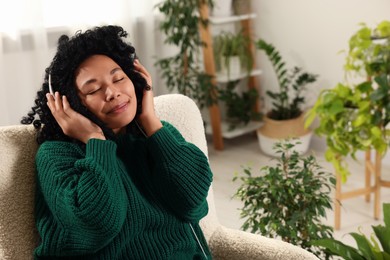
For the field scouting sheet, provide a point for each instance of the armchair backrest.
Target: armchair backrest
(18, 236)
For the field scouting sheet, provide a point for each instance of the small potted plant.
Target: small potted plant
(288, 200)
(231, 53)
(285, 119)
(239, 104)
(242, 7)
(353, 115)
(375, 247)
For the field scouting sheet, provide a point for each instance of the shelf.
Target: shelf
(231, 19)
(223, 78)
(237, 131)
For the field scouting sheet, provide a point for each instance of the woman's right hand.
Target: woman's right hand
(73, 124)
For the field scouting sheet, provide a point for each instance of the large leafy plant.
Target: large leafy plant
(373, 248)
(182, 72)
(288, 200)
(288, 100)
(353, 116)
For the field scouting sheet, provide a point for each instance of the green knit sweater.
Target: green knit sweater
(132, 198)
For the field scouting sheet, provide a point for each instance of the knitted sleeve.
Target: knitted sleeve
(83, 193)
(182, 174)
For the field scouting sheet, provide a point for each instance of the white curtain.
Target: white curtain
(29, 30)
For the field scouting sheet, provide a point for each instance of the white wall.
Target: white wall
(311, 33)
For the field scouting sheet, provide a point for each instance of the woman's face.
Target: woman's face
(106, 91)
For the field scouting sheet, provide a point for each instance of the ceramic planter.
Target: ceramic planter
(234, 67)
(222, 8)
(274, 130)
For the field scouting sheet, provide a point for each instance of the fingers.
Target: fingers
(142, 70)
(58, 101)
(59, 107)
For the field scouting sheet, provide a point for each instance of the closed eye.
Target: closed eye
(118, 80)
(93, 91)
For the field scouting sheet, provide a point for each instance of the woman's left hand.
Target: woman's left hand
(148, 118)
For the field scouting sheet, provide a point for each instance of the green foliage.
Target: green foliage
(288, 100)
(373, 248)
(182, 71)
(228, 44)
(353, 117)
(288, 200)
(239, 106)
(369, 51)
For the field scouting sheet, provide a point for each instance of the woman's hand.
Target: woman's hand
(72, 123)
(148, 118)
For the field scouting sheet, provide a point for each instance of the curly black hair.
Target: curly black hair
(71, 52)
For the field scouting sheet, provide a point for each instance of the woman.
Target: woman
(113, 181)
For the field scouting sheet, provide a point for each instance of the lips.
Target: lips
(119, 108)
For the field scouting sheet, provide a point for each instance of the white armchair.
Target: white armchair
(18, 236)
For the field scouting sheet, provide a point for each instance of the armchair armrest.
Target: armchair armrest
(229, 244)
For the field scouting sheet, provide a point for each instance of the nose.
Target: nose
(111, 92)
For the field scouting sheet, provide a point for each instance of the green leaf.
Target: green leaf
(386, 215)
(339, 248)
(376, 132)
(363, 245)
(383, 81)
(364, 87)
(336, 107)
(361, 119)
(383, 236)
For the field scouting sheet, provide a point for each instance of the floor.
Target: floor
(356, 214)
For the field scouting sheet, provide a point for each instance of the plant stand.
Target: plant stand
(372, 170)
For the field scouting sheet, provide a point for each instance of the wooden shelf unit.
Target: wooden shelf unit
(216, 127)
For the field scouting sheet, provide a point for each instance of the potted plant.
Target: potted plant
(239, 105)
(353, 115)
(242, 7)
(375, 247)
(286, 117)
(288, 200)
(231, 53)
(182, 72)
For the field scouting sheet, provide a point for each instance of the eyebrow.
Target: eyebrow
(90, 81)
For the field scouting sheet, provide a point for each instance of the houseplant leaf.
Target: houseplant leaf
(339, 248)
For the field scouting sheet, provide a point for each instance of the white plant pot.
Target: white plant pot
(234, 68)
(266, 143)
(222, 8)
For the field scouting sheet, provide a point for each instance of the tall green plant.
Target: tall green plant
(287, 101)
(374, 248)
(182, 71)
(288, 200)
